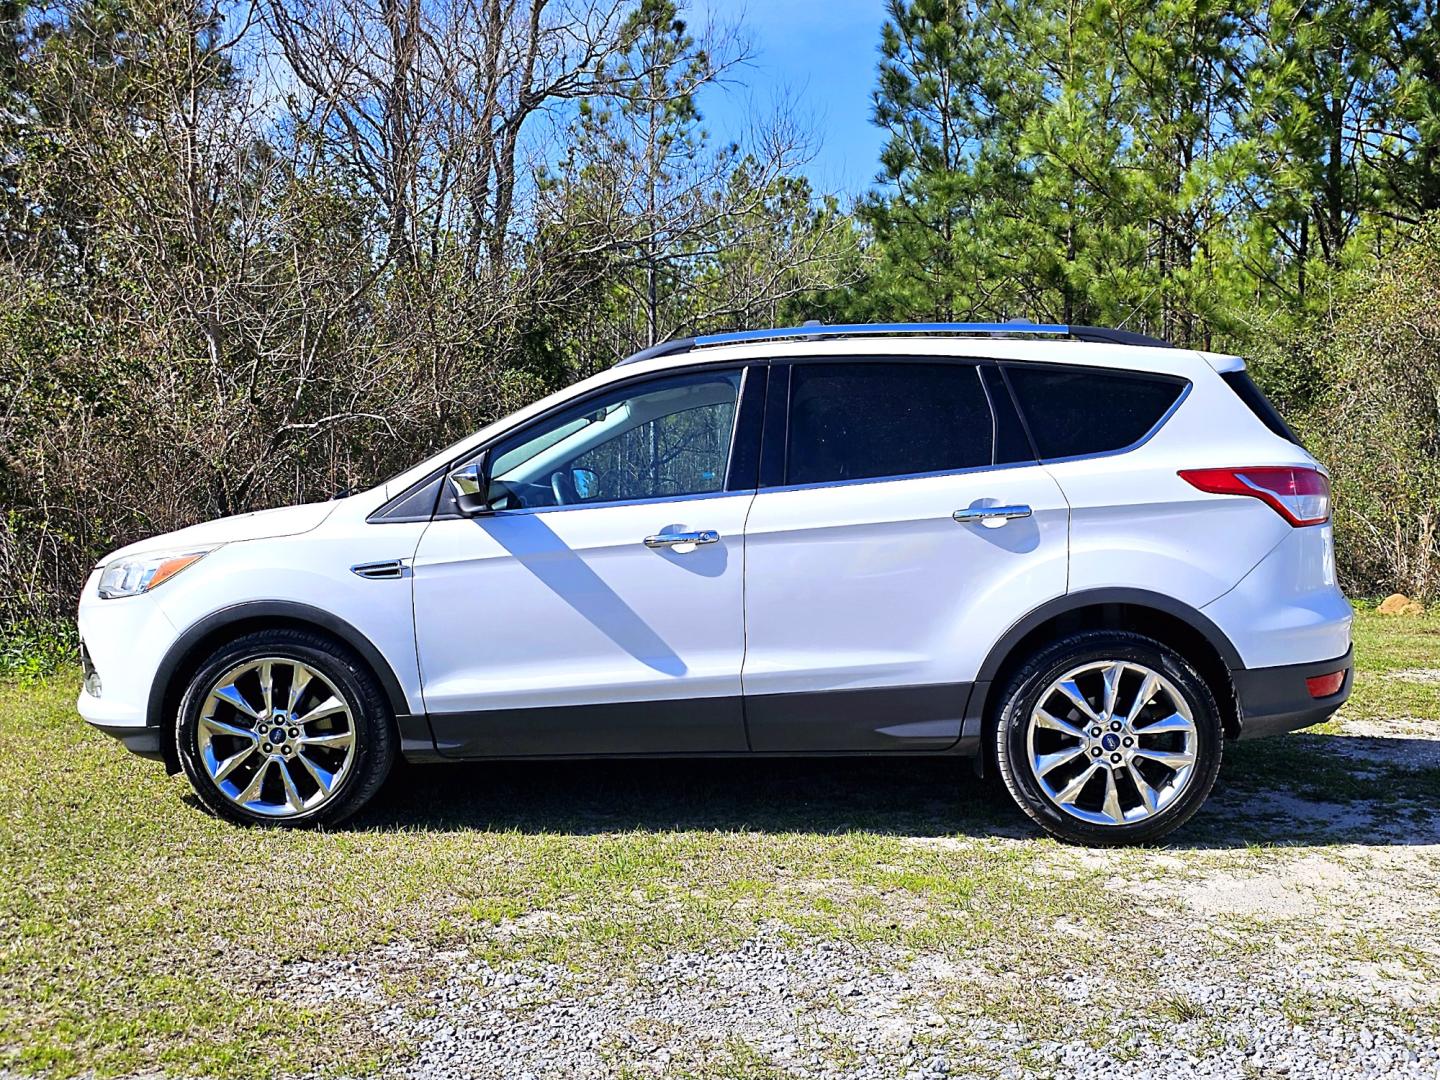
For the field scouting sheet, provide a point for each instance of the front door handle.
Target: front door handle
(703, 536)
(992, 517)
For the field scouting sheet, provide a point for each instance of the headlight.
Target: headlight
(138, 574)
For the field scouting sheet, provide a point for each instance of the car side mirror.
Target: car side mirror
(471, 485)
(585, 482)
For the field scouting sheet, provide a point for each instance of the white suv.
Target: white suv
(1079, 555)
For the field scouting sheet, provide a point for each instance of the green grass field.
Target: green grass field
(137, 933)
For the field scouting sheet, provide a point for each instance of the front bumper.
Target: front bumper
(123, 642)
(142, 741)
(1274, 700)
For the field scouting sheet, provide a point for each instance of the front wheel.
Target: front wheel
(1108, 737)
(284, 727)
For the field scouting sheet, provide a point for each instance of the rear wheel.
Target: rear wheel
(1108, 737)
(284, 727)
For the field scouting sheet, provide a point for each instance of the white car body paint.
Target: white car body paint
(1288, 605)
(569, 607)
(873, 583)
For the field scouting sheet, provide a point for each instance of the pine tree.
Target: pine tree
(1313, 94)
(930, 71)
(645, 156)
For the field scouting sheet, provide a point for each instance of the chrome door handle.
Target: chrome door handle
(704, 536)
(992, 517)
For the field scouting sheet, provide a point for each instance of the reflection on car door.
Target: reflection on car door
(600, 610)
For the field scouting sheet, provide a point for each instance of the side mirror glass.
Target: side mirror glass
(469, 483)
(586, 483)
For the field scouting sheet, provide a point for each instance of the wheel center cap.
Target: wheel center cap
(1111, 741)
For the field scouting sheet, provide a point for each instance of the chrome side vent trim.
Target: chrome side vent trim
(388, 570)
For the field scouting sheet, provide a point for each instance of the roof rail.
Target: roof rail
(1118, 337)
(881, 329)
(1013, 328)
(664, 348)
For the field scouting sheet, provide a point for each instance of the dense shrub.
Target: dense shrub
(1361, 384)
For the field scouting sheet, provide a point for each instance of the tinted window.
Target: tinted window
(1074, 412)
(662, 439)
(857, 420)
(1259, 404)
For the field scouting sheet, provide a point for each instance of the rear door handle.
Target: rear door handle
(702, 536)
(992, 517)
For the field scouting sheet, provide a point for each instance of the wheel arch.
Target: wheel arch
(204, 637)
(1169, 621)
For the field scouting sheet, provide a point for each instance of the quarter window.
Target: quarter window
(1073, 412)
(1255, 399)
(853, 421)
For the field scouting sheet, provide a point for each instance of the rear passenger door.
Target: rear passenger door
(901, 527)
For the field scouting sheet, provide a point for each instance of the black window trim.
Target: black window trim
(750, 402)
(387, 513)
(994, 386)
(1015, 404)
(776, 428)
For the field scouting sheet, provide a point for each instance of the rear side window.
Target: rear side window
(1246, 390)
(1072, 412)
(853, 421)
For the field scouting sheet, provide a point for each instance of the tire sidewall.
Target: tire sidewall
(374, 749)
(1012, 749)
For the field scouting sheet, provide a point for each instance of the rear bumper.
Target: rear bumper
(1274, 700)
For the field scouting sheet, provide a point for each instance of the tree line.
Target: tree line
(257, 251)
(1188, 168)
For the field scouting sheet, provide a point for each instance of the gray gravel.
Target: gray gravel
(829, 1010)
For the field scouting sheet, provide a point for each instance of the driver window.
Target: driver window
(661, 440)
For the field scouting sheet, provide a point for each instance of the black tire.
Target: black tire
(370, 719)
(1020, 697)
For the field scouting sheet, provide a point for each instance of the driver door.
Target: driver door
(597, 607)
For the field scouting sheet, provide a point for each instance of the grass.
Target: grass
(137, 933)
(31, 647)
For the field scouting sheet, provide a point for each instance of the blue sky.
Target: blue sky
(818, 55)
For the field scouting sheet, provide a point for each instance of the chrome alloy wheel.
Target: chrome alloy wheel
(1112, 742)
(276, 737)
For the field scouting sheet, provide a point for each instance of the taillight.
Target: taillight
(1298, 494)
